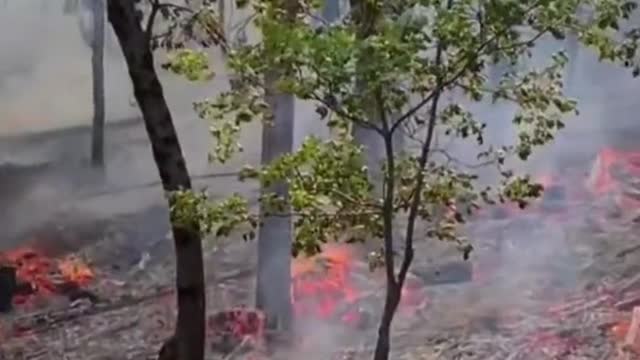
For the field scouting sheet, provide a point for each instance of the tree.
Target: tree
(137, 44)
(275, 233)
(97, 72)
(331, 10)
(388, 68)
(91, 23)
(411, 54)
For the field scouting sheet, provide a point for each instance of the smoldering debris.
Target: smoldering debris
(555, 282)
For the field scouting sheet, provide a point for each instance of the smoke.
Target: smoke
(46, 112)
(45, 84)
(528, 253)
(46, 69)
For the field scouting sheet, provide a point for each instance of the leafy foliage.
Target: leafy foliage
(388, 67)
(397, 60)
(189, 63)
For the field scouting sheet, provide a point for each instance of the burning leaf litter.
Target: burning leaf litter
(40, 276)
(580, 303)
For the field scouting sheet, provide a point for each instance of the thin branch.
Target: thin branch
(453, 159)
(424, 156)
(176, 7)
(336, 109)
(438, 89)
(389, 190)
(148, 30)
(156, 7)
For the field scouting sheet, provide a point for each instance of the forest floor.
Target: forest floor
(545, 286)
(570, 297)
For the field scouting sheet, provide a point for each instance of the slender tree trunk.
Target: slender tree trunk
(573, 53)
(331, 10)
(276, 232)
(188, 343)
(369, 138)
(383, 344)
(97, 72)
(273, 293)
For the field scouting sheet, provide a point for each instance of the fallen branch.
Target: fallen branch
(624, 252)
(45, 321)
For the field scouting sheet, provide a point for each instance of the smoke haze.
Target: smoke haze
(45, 84)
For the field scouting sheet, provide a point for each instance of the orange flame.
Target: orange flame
(76, 271)
(321, 283)
(44, 274)
(324, 284)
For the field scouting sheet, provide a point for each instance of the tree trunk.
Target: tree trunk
(331, 10)
(383, 343)
(190, 327)
(369, 138)
(97, 72)
(276, 232)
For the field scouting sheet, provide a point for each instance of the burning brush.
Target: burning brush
(616, 173)
(26, 273)
(335, 286)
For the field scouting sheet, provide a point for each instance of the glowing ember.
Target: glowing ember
(325, 287)
(619, 331)
(321, 284)
(612, 174)
(43, 275)
(229, 328)
(75, 271)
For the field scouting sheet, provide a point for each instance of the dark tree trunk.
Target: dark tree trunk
(190, 327)
(8, 284)
(97, 72)
(383, 343)
(275, 233)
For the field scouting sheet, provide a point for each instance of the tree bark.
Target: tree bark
(190, 327)
(97, 72)
(276, 232)
(383, 343)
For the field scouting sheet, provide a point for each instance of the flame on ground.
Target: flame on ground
(322, 283)
(45, 276)
(325, 287)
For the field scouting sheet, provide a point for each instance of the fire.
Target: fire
(74, 270)
(619, 331)
(44, 275)
(612, 174)
(322, 283)
(325, 287)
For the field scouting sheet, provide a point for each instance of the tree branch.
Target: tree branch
(443, 84)
(389, 190)
(422, 161)
(148, 30)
